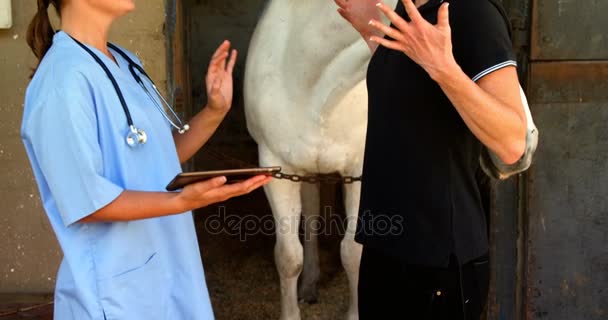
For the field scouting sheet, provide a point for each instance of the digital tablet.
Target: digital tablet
(234, 175)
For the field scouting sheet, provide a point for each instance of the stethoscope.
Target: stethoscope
(136, 136)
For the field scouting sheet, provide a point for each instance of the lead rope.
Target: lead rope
(312, 179)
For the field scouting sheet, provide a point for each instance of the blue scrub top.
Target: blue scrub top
(74, 132)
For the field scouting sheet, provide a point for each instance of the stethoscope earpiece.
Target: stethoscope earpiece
(183, 129)
(136, 137)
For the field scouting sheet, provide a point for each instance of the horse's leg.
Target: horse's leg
(284, 199)
(307, 290)
(350, 251)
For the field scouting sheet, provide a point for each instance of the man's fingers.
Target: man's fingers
(387, 43)
(391, 32)
(393, 16)
(443, 16)
(412, 10)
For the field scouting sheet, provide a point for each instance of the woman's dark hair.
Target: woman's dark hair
(40, 32)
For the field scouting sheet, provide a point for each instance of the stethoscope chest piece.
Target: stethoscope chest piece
(136, 137)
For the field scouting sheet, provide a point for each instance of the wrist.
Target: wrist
(214, 112)
(178, 203)
(448, 73)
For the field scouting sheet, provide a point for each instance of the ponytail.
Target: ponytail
(40, 32)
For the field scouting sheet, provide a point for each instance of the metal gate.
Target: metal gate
(550, 227)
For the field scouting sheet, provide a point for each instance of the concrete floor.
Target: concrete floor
(26, 306)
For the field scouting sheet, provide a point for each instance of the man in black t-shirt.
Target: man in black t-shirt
(441, 83)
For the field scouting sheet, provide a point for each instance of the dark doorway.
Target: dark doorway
(239, 264)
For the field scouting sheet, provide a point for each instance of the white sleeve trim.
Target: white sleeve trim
(494, 68)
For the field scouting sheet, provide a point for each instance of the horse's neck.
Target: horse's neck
(318, 51)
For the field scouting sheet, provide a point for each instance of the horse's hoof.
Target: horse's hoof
(295, 316)
(309, 300)
(308, 295)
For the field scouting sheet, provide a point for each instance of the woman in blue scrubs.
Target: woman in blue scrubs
(130, 249)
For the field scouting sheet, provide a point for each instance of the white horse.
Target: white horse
(306, 107)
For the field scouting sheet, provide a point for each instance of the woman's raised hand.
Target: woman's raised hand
(219, 81)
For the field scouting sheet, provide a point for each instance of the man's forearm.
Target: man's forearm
(496, 124)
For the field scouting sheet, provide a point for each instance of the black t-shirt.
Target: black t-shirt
(420, 200)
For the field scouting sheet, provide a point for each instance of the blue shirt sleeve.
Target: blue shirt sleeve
(62, 133)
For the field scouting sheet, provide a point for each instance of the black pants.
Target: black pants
(391, 289)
